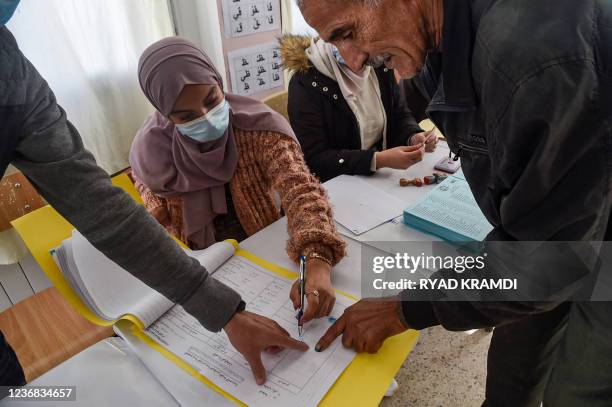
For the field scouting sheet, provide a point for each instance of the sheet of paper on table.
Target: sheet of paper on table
(359, 206)
(294, 378)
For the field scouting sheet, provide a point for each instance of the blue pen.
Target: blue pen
(302, 294)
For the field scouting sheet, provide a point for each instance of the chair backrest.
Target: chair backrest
(45, 331)
(278, 103)
(17, 198)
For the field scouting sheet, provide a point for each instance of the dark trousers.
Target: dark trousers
(521, 357)
(11, 373)
(582, 373)
(561, 358)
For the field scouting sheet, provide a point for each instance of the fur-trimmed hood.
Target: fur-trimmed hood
(293, 52)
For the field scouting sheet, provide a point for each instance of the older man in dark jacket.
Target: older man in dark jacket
(36, 137)
(522, 89)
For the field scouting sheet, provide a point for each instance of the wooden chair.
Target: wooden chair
(17, 198)
(278, 103)
(44, 330)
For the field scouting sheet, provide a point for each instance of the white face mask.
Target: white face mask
(210, 127)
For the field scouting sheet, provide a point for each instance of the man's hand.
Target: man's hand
(318, 278)
(400, 158)
(428, 138)
(250, 334)
(365, 325)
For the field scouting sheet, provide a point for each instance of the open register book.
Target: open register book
(113, 296)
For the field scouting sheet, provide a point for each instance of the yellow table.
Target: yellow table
(363, 383)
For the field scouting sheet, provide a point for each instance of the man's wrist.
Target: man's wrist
(400, 313)
(239, 308)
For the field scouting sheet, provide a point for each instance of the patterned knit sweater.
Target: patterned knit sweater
(268, 162)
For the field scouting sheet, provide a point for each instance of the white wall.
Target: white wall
(198, 21)
(297, 24)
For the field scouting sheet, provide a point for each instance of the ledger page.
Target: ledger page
(294, 378)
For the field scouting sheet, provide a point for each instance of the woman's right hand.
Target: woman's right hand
(400, 158)
(252, 334)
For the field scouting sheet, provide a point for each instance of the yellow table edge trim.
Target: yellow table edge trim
(186, 367)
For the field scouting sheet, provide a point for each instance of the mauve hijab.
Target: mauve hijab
(171, 164)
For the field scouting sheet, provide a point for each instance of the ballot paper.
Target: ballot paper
(295, 378)
(359, 206)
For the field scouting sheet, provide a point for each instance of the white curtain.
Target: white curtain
(88, 51)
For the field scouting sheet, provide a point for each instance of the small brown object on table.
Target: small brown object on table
(44, 330)
(417, 182)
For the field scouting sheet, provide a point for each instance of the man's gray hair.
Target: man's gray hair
(369, 3)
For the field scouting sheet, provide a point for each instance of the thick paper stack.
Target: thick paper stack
(449, 212)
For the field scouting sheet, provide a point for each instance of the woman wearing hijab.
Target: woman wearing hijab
(207, 164)
(349, 118)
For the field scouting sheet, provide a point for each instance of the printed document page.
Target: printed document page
(359, 206)
(294, 378)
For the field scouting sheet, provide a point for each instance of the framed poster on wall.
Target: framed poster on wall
(246, 17)
(256, 69)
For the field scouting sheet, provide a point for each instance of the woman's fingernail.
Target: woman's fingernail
(318, 348)
(260, 381)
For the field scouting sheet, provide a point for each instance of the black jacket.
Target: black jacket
(328, 130)
(522, 90)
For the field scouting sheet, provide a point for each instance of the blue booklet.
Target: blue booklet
(450, 212)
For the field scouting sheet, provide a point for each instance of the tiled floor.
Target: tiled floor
(444, 369)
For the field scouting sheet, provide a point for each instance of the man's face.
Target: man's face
(389, 32)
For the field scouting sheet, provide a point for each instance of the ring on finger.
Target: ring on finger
(314, 292)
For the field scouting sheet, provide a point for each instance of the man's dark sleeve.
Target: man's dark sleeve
(50, 153)
(307, 120)
(553, 184)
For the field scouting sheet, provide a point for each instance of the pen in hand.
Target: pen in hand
(300, 314)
